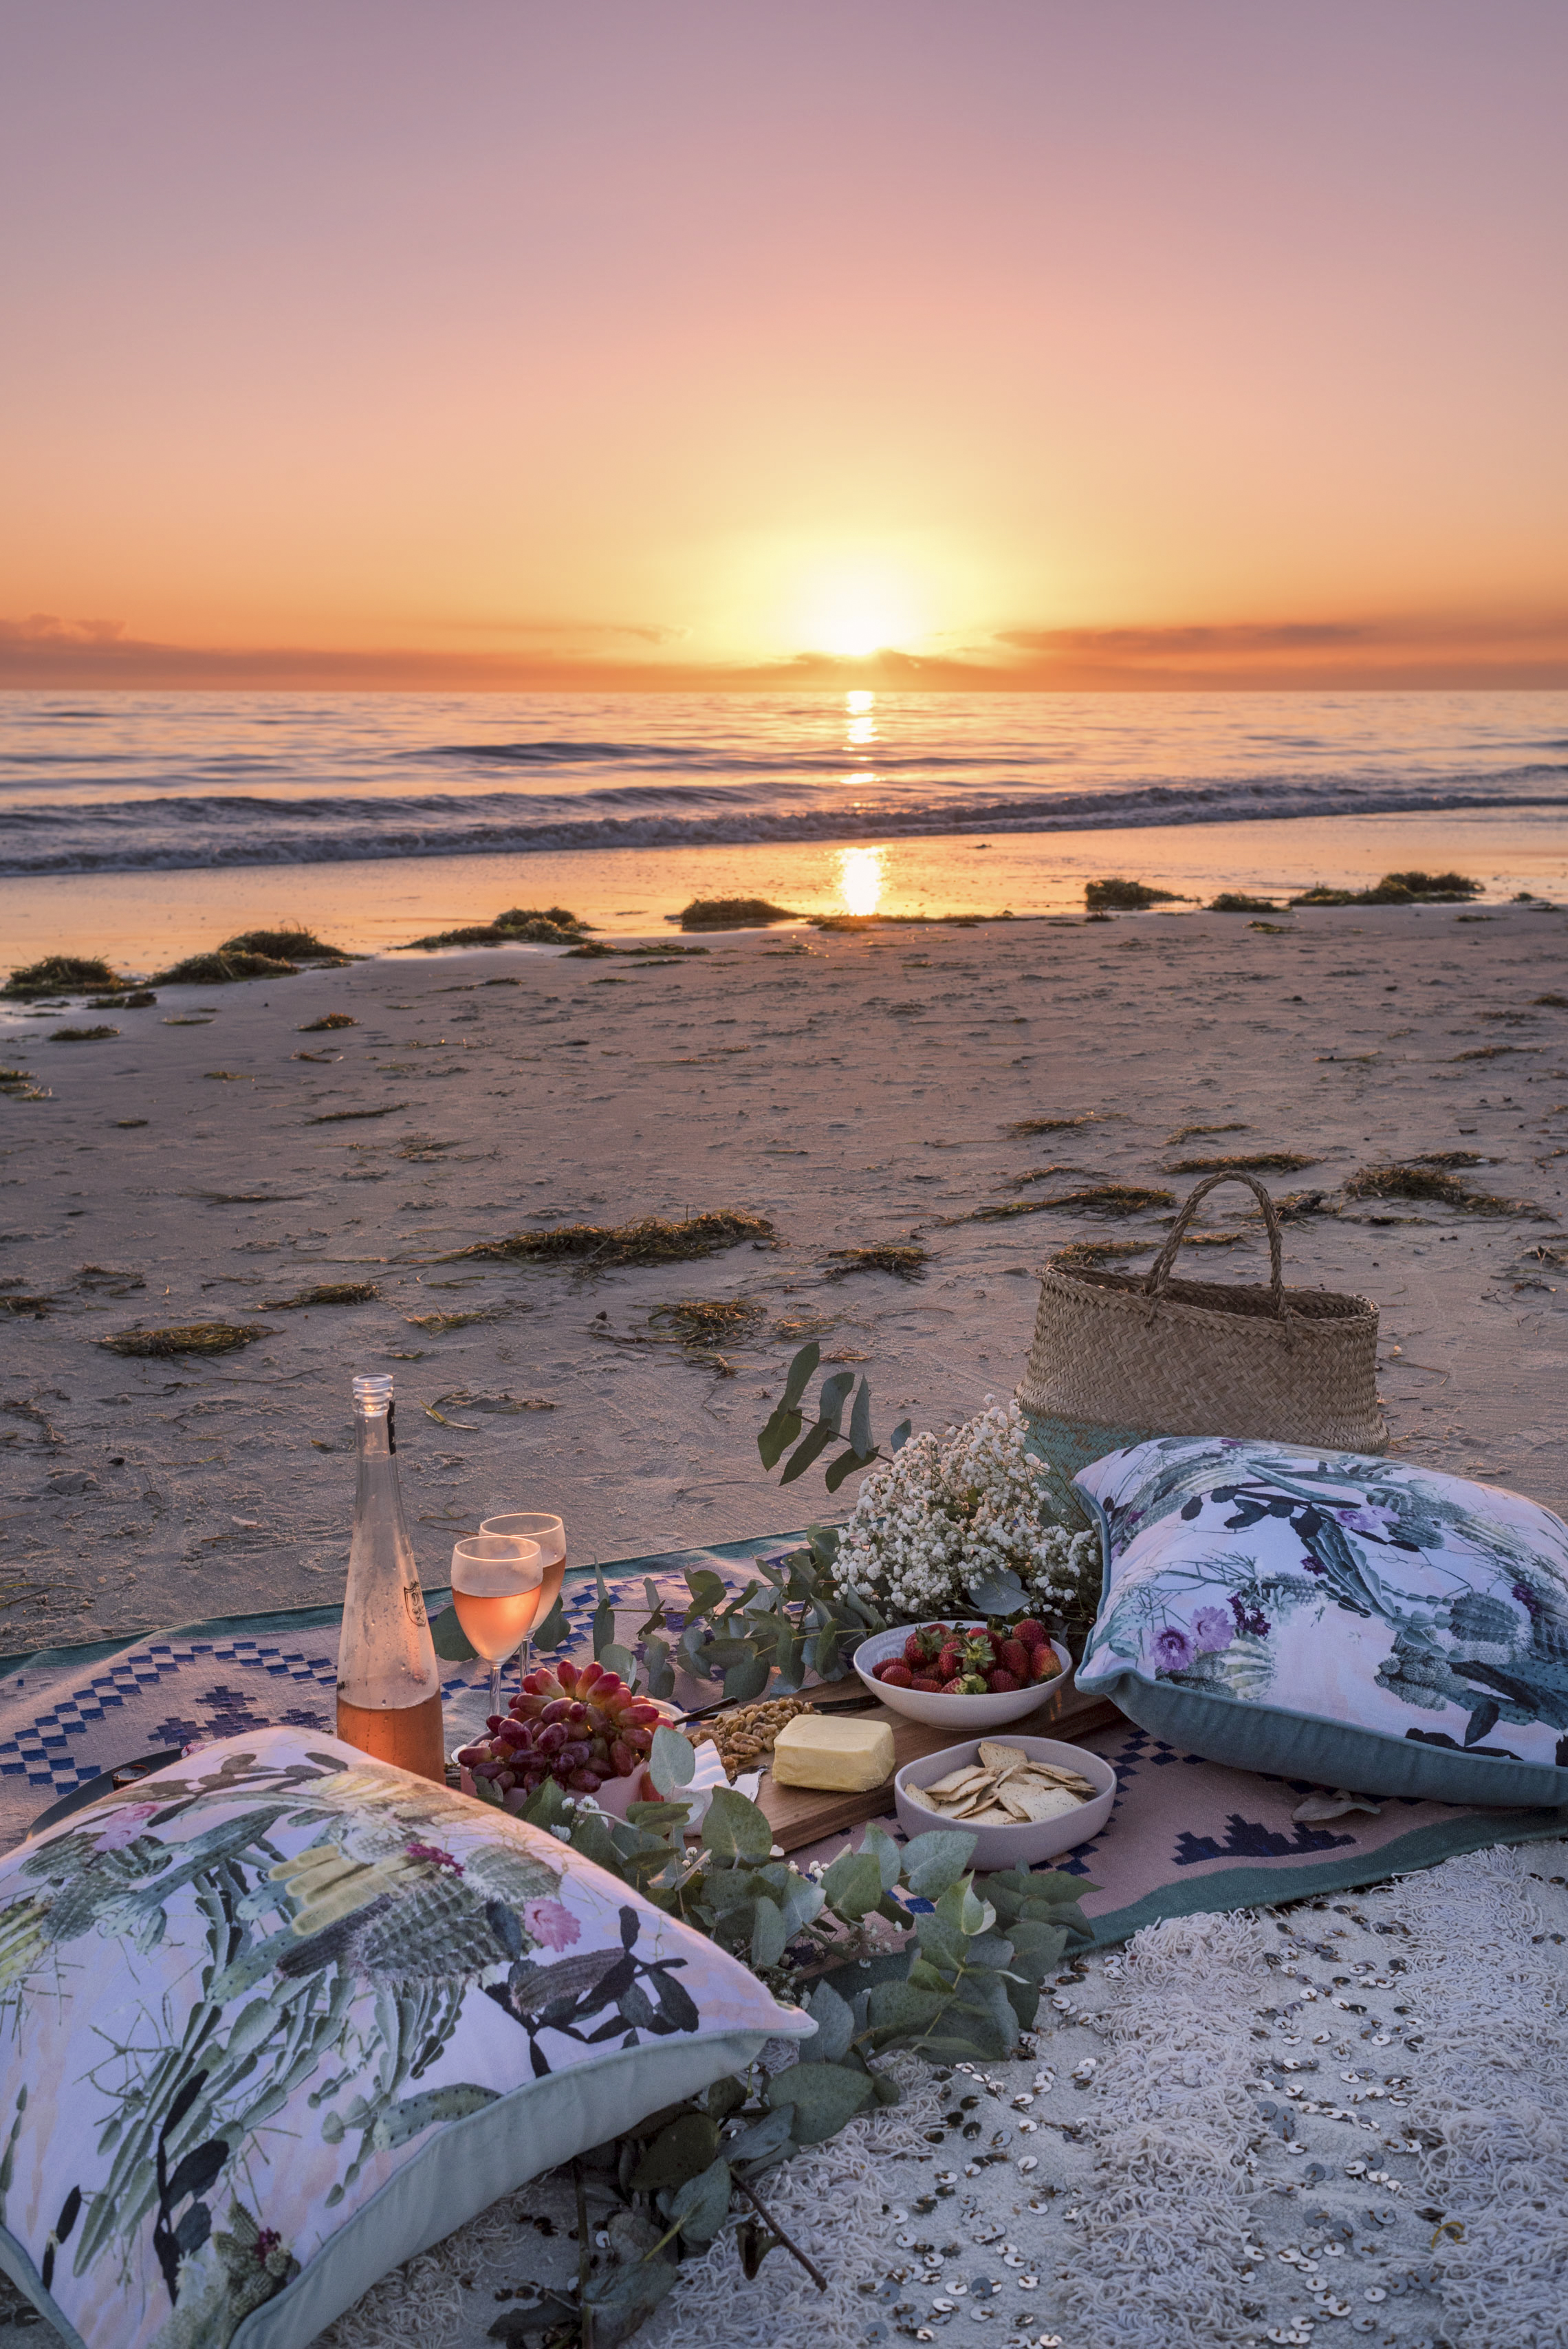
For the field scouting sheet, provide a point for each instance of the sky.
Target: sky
(721, 343)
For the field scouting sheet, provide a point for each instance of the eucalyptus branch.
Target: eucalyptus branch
(771, 2223)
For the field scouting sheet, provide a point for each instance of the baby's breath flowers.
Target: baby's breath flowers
(955, 1509)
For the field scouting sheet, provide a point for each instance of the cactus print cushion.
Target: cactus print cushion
(279, 2016)
(1351, 1621)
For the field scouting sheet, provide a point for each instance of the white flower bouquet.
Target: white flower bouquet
(951, 1518)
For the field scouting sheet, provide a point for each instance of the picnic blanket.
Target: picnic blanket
(1184, 1836)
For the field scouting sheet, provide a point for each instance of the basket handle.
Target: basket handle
(1160, 1269)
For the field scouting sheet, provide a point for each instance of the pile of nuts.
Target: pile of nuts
(744, 1737)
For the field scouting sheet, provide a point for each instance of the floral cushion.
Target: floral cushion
(1351, 1621)
(279, 2016)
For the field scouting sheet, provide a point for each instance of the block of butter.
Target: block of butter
(847, 1757)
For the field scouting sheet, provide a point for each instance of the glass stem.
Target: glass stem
(495, 1702)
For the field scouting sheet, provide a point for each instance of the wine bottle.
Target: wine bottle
(388, 1686)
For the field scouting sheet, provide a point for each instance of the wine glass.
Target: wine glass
(495, 1589)
(529, 1525)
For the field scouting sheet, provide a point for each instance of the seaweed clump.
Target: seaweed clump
(325, 1292)
(1400, 889)
(1118, 897)
(1100, 1199)
(65, 975)
(700, 1323)
(909, 1263)
(650, 1240)
(1028, 1125)
(1397, 1182)
(1084, 1255)
(550, 926)
(286, 945)
(186, 1337)
(81, 1035)
(223, 968)
(328, 1020)
(733, 913)
(1247, 1162)
(1236, 901)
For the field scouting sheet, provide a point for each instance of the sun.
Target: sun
(852, 614)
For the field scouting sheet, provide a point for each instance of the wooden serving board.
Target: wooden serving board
(803, 1815)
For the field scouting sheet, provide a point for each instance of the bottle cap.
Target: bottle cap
(373, 1395)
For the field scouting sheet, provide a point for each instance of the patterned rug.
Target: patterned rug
(1184, 1836)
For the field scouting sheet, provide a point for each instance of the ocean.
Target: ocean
(252, 805)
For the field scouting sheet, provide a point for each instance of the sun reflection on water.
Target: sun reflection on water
(862, 879)
(861, 714)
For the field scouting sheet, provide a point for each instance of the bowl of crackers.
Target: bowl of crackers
(1024, 1799)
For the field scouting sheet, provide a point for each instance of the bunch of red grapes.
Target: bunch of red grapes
(578, 1725)
(991, 1661)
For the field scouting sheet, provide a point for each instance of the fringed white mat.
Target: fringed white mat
(1173, 2167)
(1155, 2177)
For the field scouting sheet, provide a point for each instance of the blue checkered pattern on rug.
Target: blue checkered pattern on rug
(60, 1728)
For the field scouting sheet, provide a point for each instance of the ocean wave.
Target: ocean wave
(165, 834)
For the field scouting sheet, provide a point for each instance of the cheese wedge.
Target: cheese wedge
(846, 1757)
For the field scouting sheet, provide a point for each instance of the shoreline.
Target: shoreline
(146, 919)
(856, 1088)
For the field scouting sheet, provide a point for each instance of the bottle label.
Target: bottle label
(414, 1601)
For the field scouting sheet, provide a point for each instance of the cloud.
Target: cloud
(48, 628)
(43, 652)
(1181, 643)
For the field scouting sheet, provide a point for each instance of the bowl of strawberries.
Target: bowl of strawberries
(960, 1674)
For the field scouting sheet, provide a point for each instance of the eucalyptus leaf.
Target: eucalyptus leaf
(671, 1761)
(999, 1594)
(904, 2007)
(935, 1862)
(853, 1884)
(616, 1659)
(660, 1674)
(777, 1434)
(845, 1466)
(734, 1828)
(449, 1640)
(799, 1377)
(747, 1680)
(679, 2152)
(885, 1852)
(622, 2297)
(702, 2205)
(824, 2096)
(901, 1435)
(554, 1631)
(769, 1935)
(764, 2137)
(832, 1400)
(835, 2022)
(811, 1449)
(861, 1419)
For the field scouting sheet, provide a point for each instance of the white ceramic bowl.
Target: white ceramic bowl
(1026, 1845)
(959, 1714)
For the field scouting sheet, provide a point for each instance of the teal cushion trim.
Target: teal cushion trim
(1287, 1744)
(473, 2161)
(25, 2278)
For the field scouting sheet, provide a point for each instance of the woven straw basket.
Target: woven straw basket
(1120, 1357)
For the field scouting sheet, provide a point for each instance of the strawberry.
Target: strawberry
(896, 1675)
(927, 1683)
(1033, 1634)
(914, 1652)
(948, 1661)
(1013, 1657)
(1045, 1664)
(954, 1687)
(1001, 1684)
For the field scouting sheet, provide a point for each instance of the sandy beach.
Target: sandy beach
(854, 1089)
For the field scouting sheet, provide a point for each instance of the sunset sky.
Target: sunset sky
(712, 342)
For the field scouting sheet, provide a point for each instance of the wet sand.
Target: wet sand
(856, 1088)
